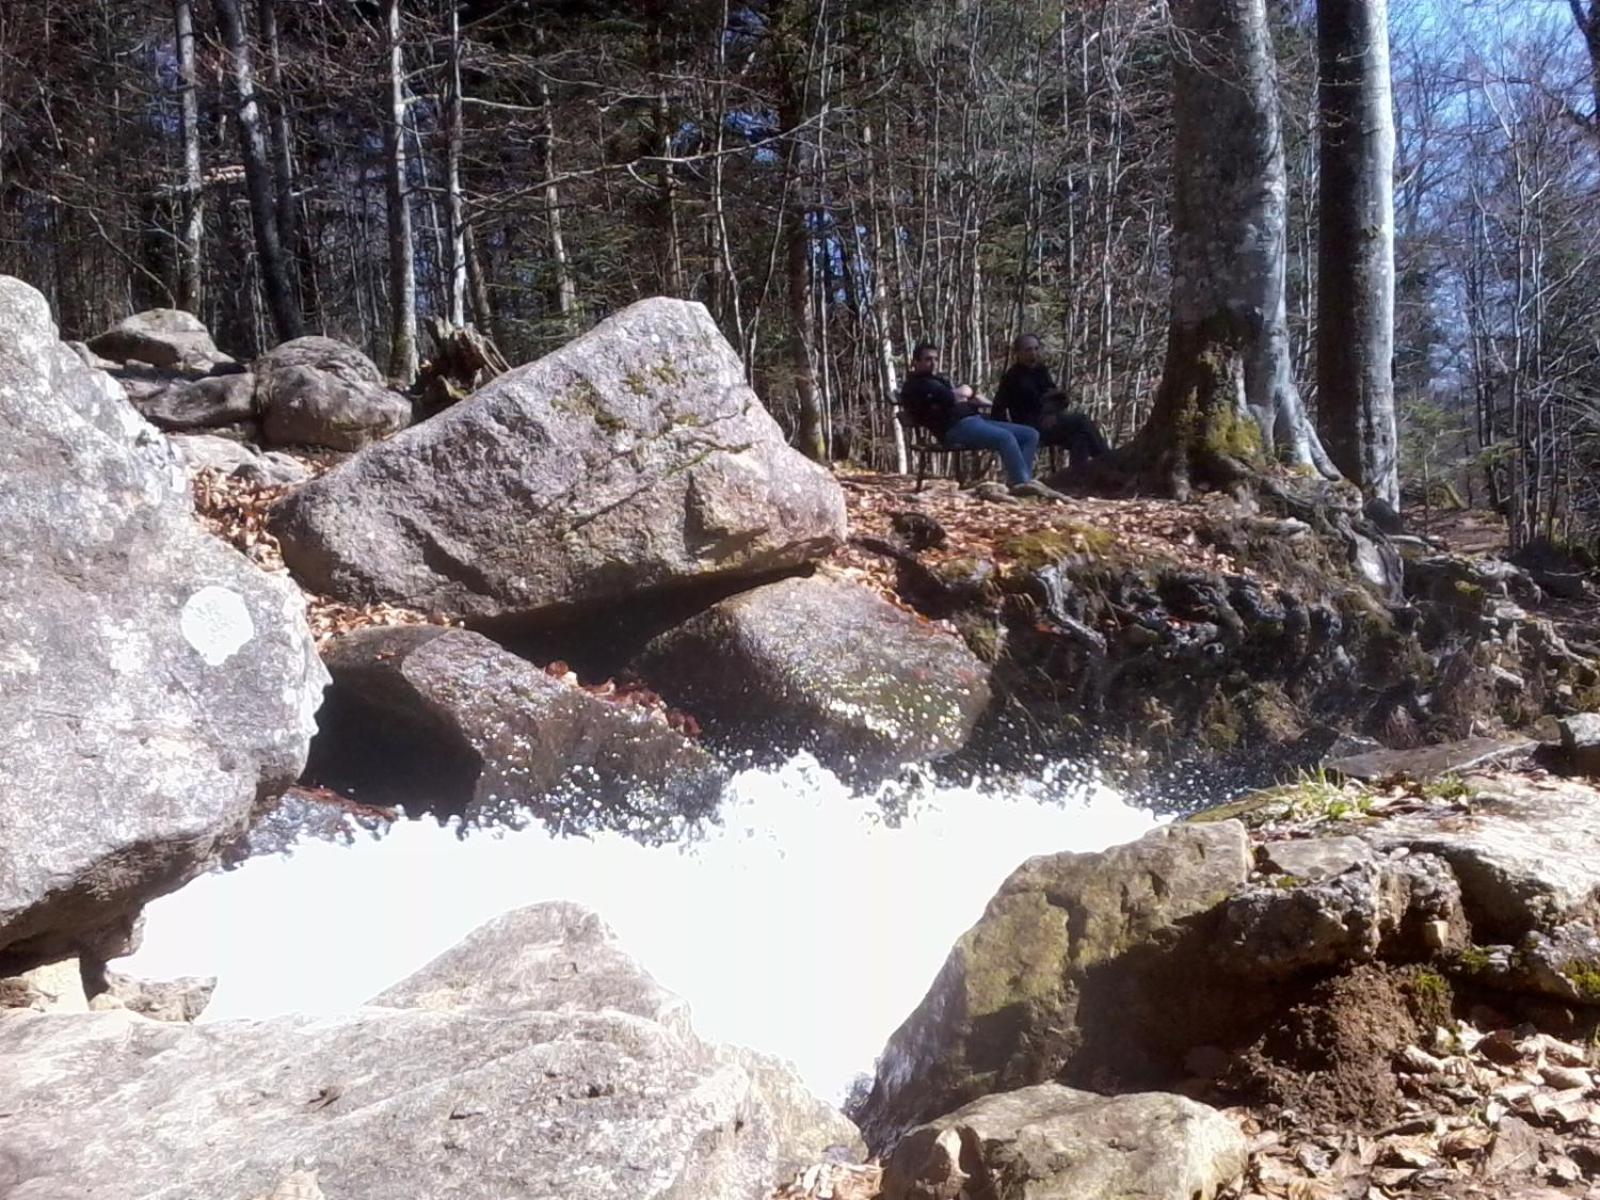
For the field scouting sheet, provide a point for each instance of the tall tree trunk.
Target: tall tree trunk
(455, 204)
(566, 290)
(1226, 392)
(1355, 258)
(280, 296)
(192, 212)
(797, 255)
(402, 253)
(278, 118)
(1589, 26)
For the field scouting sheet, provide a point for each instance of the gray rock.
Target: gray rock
(557, 956)
(1563, 962)
(633, 461)
(533, 1090)
(1053, 1143)
(182, 999)
(1372, 909)
(154, 685)
(204, 403)
(1072, 945)
(1315, 858)
(1580, 742)
(314, 391)
(162, 337)
(1430, 762)
(270, 468)
(90, 358)
(1527, 856)
(824, 665)
(55, 987)
(519, 737)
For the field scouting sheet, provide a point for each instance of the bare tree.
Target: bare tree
(1355, 256)
(402, 249)
(192, 212)
(1589, 26)
(1227, 392)
(280, 296)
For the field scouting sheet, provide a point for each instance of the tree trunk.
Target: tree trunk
(1589, 26)
(1355, 259)
(455, 205)
(797, 254)
(402, 267)
(566, 291)
(280, 297)
(1227, 393)
(192, 220)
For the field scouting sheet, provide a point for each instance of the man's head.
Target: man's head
(924, 358)
(1026, 350)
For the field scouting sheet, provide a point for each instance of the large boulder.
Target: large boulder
(633, 460)
(1053, 1143)
(162, 337)
(314, 391)
(824, 665)
(489, 734)
(154, 685)
(533, 1061)
(1077, 956)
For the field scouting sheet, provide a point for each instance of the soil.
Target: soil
(1329, 1058)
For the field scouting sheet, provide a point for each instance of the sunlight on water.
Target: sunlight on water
(804, 925)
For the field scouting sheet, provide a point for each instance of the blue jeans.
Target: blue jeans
(1015, 444)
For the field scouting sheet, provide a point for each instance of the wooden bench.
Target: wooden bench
(964, 464)
(924, 449)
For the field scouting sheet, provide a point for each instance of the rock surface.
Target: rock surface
(824, 665)
(314, 391)
(520, 1084)
(268, 468)
(1053, 1143)
(203, 404)
(1430, 762)
(1064, 955)
(496, 734)
(154, 685)
(162, 337)
(1580, 742)
(632, 460)
(182, 999)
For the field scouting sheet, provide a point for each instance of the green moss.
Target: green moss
(636, 384)
(1053, 544)
(983, 637)
(1585, 977)
(1431, 997)
(1446, 788)
(1474, 960)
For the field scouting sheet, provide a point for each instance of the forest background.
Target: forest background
(834, 179)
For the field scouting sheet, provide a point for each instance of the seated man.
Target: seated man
(1028, 396)
(952, 415)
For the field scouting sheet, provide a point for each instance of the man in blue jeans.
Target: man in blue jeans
(953, 416)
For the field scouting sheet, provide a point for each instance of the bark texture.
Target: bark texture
(281, 301)
(402, 263)
(1227, 391)
(1355, 282)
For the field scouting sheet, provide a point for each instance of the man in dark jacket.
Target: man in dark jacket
(953, 416)
(1028, 396)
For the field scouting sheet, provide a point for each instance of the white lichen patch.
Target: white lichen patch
(216, 623)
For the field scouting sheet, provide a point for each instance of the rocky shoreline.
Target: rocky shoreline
(582, 596)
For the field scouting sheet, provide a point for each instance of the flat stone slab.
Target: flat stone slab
(1315, 858)
(1429, 762)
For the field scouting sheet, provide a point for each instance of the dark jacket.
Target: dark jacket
(1020, 396)
(932, 403)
